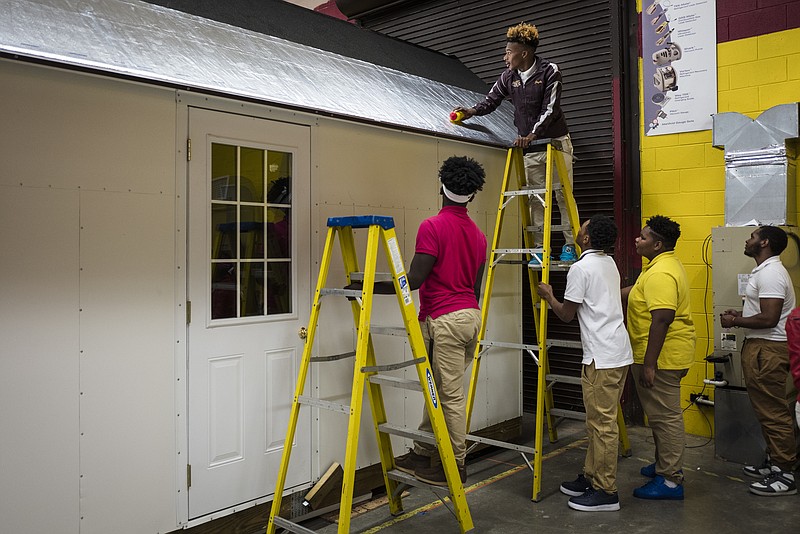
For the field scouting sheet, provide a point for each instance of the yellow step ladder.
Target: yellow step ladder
(539, 270)
(367, 373)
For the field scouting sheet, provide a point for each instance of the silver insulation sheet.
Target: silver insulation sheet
(148, 42)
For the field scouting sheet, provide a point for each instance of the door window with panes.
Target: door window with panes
(251, 231)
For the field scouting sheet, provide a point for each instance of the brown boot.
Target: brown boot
(410, 462)
(434, 474)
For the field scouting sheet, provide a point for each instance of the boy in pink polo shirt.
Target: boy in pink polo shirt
(448, 265)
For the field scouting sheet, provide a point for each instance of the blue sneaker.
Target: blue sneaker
(568, 253)
(536, 259)
(648, 471)
(657, 489)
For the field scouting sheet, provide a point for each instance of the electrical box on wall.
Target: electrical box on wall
(731, 269)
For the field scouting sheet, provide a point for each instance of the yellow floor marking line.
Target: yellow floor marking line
(478, 485)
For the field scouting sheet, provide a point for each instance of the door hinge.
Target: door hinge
(188, 476)
(188, 150)
(188, 312)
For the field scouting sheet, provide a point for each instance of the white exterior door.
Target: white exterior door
(249, 288)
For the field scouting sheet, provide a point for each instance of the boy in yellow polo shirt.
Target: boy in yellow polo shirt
(663, 341)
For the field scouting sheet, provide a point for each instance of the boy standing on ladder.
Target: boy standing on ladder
(593, 293)
(448, 264)
(534, 86)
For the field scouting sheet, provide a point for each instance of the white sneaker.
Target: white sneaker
(775, 484)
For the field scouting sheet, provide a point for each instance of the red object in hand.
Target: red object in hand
(456, 116)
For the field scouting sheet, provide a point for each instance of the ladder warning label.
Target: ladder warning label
(405, 289)
(431, 387)
(397, 260)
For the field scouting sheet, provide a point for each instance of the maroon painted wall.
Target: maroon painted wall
(739, 19)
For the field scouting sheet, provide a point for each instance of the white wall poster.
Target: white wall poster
(679, 56)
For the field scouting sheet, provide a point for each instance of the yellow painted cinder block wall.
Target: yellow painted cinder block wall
(683, 177)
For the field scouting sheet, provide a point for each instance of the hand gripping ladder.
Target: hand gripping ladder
(545, 412)
(367, 373)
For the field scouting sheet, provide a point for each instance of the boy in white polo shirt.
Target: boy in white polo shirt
(593, 293)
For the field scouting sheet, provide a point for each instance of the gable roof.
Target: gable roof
(146, 42)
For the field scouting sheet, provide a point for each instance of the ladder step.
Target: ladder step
(425, 437)
(516, 250)
(388, 330)
(411, 480)
(563, 379)
(353, 293)
(553, 227)
(393, 381)
(554, 265)
(568, 414)
(392, 366)
(379, 277)
(564, 343)
(326, 405)
(332, 358)
(532, 191)
(291, 527)
(500, 444)
(505, 345)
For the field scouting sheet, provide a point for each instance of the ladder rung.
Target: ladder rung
(354, 293)
(388, 330)
(505, 345)
(332, 358)
(553, 227)
(564, 343)
(291, 527)
(411, 480)
(569, 414)
(516, 250)
(379, 277)
(531, 191)
(563, 378)
(425, 437)
(501, 444)
(554, 266)
(393, 381)
(327, 405)
(392, 366)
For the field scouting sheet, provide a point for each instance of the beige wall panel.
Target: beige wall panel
(127, 385)
(38, 359)
(71, 130)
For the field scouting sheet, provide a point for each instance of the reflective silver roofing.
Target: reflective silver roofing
(149, 42)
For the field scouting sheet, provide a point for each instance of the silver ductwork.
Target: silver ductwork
(760, 165)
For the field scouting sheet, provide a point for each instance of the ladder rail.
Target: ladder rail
(305, 362)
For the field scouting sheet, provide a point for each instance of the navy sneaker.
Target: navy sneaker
(594, 500)
(575, 488)
(648, 471)
(758, 471)
(657, 489)
(777, 483)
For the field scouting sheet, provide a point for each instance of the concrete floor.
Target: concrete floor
(499, 487)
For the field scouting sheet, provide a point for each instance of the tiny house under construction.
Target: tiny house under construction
(165, 181)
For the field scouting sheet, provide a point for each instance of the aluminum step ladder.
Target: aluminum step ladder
(367, 373)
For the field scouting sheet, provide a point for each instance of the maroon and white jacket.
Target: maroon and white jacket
(537, 102)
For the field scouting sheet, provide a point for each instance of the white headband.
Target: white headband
(461, 199)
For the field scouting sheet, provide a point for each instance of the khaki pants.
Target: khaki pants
(602, 390)
(765, 366)
(454, 337)
(662, 406)
(536, 174)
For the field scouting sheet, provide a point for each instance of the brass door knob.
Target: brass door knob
(302, 333)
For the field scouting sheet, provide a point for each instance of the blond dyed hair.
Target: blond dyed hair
(523, 33)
